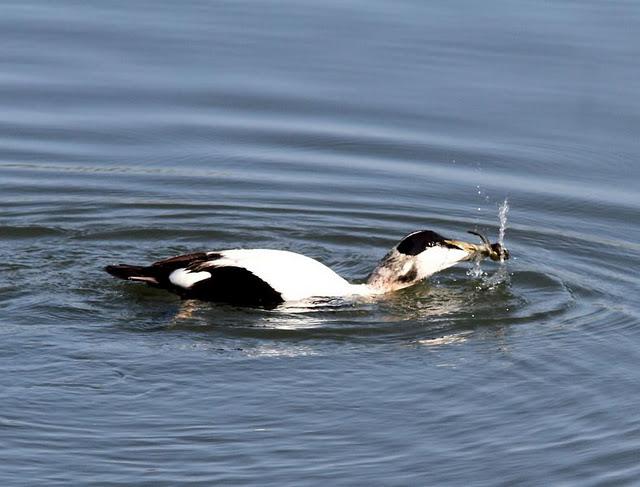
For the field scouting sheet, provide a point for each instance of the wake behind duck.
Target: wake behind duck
(267, 278)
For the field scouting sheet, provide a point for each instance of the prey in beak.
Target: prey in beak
(495, 251)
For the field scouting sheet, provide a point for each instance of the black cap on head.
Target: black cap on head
(417, 242)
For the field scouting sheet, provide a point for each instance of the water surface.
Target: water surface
(132, 131)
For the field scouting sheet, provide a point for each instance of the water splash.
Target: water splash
(501, 276)
(503, 210)
(476, 271)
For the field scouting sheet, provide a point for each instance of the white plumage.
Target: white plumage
(294, 276)
(185, 278)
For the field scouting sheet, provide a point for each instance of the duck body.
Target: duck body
(267, 278)
(253, 277)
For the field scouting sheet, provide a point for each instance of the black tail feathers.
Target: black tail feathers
(131, 272)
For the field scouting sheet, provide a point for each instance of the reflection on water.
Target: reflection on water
(445, 340)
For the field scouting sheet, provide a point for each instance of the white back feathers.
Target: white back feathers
(294, 276)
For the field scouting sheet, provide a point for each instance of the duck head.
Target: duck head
(423, 253)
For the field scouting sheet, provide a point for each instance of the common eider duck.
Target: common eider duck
(267, 278)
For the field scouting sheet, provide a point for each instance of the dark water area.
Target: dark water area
(133, 131)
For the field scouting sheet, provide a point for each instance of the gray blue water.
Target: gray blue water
(132, 131)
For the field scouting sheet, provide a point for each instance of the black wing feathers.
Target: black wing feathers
(227, 284)
(234, 285)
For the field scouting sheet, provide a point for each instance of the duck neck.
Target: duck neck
(395, 271)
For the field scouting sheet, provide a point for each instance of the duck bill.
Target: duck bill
(473, 250)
